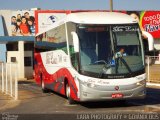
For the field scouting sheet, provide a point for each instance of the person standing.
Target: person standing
(121, 53)
(31, 27)
(18, 31)
(24, 27)
(13, 20)
(18, 16)
(27, 16)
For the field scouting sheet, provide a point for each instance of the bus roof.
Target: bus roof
(93, 18)
(100, 18)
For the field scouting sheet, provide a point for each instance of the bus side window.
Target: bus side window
(74, 58)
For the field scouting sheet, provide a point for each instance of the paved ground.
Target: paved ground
(154, 71)
(4, 100)
(32, 100)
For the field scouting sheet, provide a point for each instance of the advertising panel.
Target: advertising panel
(150, 22)
(46, 18)
(23, 23)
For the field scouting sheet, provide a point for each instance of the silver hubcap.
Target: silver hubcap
(42, 84)
(67, 91)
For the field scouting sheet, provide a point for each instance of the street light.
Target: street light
(111, 5)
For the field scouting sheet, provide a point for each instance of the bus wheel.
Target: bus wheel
(44, 90)
(70, 100)
(122, 102)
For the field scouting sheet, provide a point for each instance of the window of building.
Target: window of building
(13, 59)
(29, 46)
(12, 46)
(27, 61)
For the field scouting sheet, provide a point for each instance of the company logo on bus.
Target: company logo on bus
(52, 19)
(116, 88)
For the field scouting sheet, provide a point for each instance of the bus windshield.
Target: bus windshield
(110, 49)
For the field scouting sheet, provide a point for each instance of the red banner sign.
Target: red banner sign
(150, 21)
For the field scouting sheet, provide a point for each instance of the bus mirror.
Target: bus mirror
(150, 40)
(75, 41)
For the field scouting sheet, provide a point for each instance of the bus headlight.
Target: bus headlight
(90, 85)
(140, 83)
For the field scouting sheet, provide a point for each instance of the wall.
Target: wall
(28, 70)
(25, 69)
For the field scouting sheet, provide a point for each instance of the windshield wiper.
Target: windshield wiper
(125, 64)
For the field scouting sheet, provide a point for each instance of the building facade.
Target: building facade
(16, 45)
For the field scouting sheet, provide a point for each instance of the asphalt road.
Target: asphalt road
(33, 104)
(32, 100)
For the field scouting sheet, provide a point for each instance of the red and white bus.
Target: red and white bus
(77, 57)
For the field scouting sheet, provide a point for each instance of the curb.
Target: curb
(153, 84)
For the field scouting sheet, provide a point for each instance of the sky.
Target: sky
(80, 4)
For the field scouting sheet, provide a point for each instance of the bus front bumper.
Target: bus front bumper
(92, 94)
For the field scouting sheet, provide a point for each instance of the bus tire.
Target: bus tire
(44, 90)
(70, 100)
(122, 102)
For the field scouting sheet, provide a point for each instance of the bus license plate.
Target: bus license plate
(117, 95)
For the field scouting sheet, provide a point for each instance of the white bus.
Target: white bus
(79, 57)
